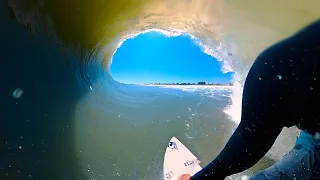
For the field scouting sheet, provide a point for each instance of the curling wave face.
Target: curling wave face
(89, 116)
(234, 32)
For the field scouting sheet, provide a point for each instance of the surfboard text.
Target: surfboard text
(192, 163)
(169, 175)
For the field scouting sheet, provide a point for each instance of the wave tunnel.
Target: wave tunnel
(63, 116)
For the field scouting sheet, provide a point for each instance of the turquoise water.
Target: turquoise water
(127, 138)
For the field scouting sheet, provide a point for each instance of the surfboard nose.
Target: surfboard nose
(174, 139)
(179, 160)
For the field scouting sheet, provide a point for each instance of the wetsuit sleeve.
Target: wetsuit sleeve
(249, 143)
(244, 149)
(257, 131)
(261, 122)
(276, 92)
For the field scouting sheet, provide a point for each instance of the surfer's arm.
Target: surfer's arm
(245, 148)
(270, 101)
(261, 119)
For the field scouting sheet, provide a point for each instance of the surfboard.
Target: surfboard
(178, 160)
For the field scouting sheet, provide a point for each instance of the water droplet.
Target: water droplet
(279, 76)
(20, 147)
(17, 93)
(248, 129)
(259, 78)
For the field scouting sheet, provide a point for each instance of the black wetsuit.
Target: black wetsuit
(281, 90)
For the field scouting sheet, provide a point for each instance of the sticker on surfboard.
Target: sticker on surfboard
(178, 160)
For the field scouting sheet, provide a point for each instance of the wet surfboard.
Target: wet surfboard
(178, 160)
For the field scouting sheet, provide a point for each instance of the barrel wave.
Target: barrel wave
(63, 116)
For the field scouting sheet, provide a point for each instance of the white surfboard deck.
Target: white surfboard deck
(178, 160)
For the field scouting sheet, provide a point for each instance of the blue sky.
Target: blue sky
(153, 57)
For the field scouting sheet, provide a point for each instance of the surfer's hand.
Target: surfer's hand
(185, 177)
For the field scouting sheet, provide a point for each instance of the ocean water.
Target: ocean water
(63, 116)
(127, 139)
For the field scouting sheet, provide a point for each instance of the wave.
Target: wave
(59, 55)
(222, 29)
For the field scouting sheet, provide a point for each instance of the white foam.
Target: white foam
(233, 110)
(245, 177)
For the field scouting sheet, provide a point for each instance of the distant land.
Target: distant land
(197, 84)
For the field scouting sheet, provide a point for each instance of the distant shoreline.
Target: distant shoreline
(191, 86)
(183, 84)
